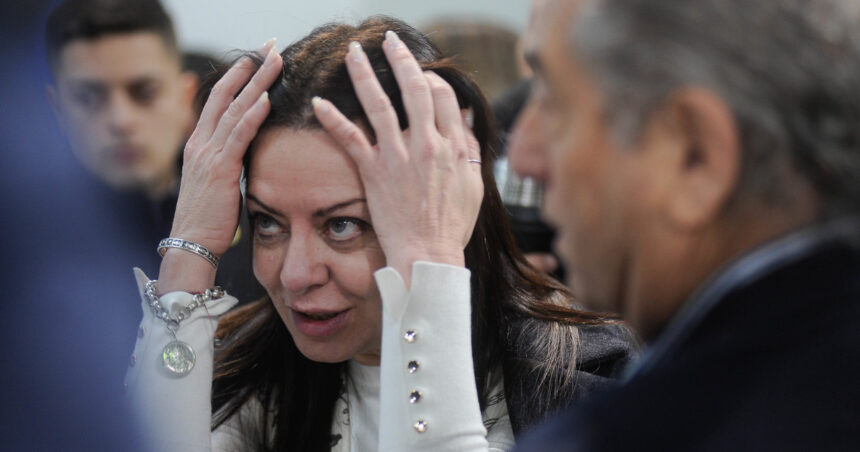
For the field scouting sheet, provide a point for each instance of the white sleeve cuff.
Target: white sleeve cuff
(175, 411)
(427, 354)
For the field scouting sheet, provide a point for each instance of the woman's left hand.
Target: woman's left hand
(423, 185)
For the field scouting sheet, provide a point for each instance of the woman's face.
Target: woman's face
(314, 249)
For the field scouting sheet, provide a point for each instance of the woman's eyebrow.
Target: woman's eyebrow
(328, 210)
(324, 212)
(268, 209)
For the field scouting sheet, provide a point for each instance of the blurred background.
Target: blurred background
(69, 312)
(219, 26)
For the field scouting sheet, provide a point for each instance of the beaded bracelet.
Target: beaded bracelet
(177, 356)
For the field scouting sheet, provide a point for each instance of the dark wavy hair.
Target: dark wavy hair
(257, 360)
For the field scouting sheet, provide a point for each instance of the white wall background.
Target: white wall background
(219, 26)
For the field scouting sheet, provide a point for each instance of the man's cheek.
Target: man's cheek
(553, 205)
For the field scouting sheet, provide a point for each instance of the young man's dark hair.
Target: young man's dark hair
(92, 19)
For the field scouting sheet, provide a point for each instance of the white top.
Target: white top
(363, 407)
(176, 412)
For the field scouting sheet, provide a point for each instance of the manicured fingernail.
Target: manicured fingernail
(470, 118)
(270, 42)
(393, 40)
(318, 104)
(264, 97)
(272, 53)
(355, 52)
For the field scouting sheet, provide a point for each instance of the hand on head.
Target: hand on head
(423, 188)
(207, 211)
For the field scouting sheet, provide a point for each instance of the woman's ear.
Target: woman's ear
(703, 161)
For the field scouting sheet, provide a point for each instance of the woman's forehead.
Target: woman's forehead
(302, 167)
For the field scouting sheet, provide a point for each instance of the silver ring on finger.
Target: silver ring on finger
(474, 161)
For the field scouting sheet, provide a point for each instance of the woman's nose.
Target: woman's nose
(304, 264)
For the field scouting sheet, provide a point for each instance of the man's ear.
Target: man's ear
(54, 100)
(706, 163)
(190, 84)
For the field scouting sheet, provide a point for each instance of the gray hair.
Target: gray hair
(789, 70)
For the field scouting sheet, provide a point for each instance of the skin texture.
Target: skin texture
(126, 108)
(641, 226)
(314, 263)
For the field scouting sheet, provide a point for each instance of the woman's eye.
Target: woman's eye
(343, 229)
(265, 225)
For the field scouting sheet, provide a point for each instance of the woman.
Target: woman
(362, 162)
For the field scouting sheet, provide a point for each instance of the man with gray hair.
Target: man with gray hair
(702, 163)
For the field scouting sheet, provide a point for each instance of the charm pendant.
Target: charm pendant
(178, 358)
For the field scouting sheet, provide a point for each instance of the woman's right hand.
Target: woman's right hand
(207, 211)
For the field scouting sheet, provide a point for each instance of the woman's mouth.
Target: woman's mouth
(321, 316)
(319, 324)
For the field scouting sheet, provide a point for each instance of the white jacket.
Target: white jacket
(176, 412)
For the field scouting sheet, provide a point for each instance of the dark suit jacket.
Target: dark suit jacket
(603, 353)
(773, 365)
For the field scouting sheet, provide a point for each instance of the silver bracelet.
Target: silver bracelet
(191, 247)
(178, 357)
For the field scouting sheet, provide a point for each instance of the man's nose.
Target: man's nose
(527, 146)
(122, 114)
(304, 265)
